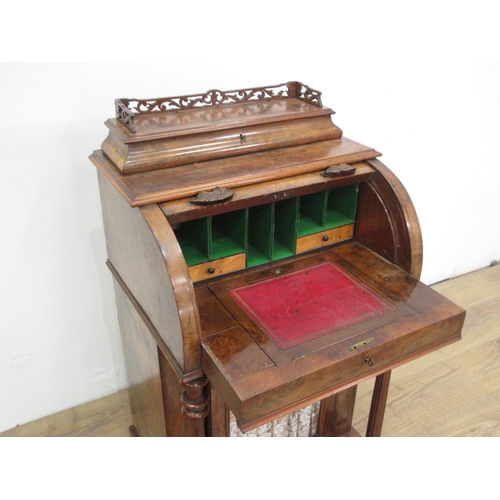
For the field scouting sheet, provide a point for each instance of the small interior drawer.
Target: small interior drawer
(217, 267)
(324, 238)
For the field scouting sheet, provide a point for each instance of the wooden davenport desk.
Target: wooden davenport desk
(264, 265)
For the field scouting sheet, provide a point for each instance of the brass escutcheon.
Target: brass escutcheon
(357, 346)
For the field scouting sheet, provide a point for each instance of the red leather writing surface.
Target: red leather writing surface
(309, 303)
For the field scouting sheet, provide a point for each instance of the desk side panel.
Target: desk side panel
(143, 370)
(143, 263)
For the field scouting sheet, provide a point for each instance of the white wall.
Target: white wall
(438, 127)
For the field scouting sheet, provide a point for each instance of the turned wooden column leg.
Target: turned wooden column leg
(377, 409)
(195, 405)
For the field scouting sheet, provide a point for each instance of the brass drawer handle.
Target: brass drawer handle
(369, 361)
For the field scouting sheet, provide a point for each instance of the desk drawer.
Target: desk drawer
(324, 238)
(218, 267)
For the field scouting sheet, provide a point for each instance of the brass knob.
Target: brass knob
(211, 270)
(369, 361)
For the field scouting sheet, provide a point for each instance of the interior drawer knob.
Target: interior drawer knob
(369, 361)
(211, 270)
(325, 238)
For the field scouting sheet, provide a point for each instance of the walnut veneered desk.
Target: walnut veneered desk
(264, 265)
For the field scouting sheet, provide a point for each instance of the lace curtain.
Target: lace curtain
(300, 423)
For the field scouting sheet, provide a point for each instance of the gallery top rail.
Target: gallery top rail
(127, 108)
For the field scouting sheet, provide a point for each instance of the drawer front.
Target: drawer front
(324, 238)
(217, 267)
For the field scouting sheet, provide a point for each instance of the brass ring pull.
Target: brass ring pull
(369, 361)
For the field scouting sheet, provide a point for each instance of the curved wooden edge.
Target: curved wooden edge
(412, 229)
(181, 283)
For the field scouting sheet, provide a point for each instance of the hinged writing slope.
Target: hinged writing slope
(303, 305)
(306, 305)
(357, 324)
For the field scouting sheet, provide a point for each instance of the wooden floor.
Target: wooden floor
(454, 391)
(451, 392)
